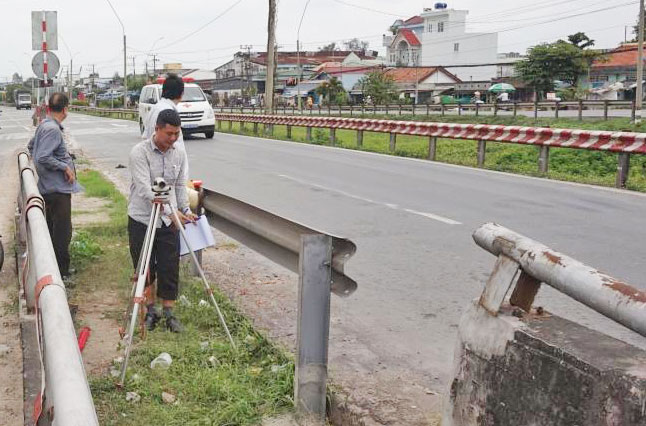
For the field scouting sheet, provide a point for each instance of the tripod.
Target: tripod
(161, 199)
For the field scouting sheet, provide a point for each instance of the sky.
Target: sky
(206, 33)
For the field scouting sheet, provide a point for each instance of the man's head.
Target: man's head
(167, 129)
(58, 103)
(173, 88)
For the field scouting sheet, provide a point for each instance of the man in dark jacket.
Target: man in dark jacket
(56, 178)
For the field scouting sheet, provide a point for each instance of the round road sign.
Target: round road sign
(53, 65)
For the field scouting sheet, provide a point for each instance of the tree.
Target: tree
(356, 45)
(379, 86)
(548, 62)
(329, 48)
(580, 40)
(331, 90)
(636, 30)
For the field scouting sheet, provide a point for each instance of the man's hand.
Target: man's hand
(69, 175)
(186, 218)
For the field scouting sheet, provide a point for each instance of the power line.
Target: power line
(203, 26)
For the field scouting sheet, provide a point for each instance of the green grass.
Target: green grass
(242, 387)
(591, 167)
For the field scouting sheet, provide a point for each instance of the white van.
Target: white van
(194, 109)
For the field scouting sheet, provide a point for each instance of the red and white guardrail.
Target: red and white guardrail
(633, 143)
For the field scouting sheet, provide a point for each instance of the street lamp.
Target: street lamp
(125, 75)
(298, 60)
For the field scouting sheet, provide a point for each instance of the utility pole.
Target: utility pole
(640, 66)
(247, 65)
(154, 65)
(271, 58)
(298, 56)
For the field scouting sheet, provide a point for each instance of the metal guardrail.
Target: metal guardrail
(319, 260)
(106, 112)
(523, 264)
(603, 107)
(65, 397)
(623, 143)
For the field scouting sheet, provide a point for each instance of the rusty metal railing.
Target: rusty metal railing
(523, 264)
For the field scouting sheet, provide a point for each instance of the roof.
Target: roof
(410, 37)
(624, 56)
(416, 74)
(338, 68)
(415, 20)
(311, 58)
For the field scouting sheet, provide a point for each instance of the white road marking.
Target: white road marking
(118, 125)
(427, 215)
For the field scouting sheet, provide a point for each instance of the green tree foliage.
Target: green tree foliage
(329, 48)
(379, 86)
(636, 31)
(561, 60)
(356, 45)
(331, 91)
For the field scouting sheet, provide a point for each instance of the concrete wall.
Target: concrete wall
(543, 370)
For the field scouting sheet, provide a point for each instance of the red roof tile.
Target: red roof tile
(410, 37)
(312, 58)
(413, 74)
(624, 56)
(415, 20)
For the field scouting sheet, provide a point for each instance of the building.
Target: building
(438, 37)
(244, 76)
(422, 82)
(614, 75)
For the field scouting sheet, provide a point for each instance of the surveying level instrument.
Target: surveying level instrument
(161, 199)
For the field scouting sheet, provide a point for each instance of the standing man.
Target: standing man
(56, 178)
(158, 157)
(172, 92)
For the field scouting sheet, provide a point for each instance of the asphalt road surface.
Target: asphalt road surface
(416, 264)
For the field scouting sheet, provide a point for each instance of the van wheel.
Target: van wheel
(209, 135)
(141, 126)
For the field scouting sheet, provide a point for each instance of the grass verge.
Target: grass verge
(591, 167)
(213, 384)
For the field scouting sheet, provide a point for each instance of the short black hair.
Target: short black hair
(173, 87)
(58, 102)
(168, 116)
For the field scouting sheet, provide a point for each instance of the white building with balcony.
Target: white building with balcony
(438, 37)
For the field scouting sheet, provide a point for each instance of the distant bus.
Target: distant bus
(23, 100)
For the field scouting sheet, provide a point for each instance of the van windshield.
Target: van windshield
(193, 94)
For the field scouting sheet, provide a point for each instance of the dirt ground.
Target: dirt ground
(11, 388)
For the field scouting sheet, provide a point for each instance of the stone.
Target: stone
(4, 349)
(133, 397)
(163, 361)
(168, 398)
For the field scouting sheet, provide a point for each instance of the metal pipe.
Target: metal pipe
(67, 391)
(617, 300)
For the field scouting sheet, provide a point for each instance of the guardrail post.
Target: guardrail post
(313, 327)
(293, 109)
(623, 167)
(632, 113)
(580, 109)
(308, 134)
(495, 109)
(219, 125)
(414, 108)
(605, 110)
(363, 110)
(255, 128)
(459, 109)
(442, 109)
(351, 109)
(393, 142)
(400, 109)
(477, 109)
(544, 159)
(482, 148)
(428, 112)
(536, 108)
(230, 125)
(242, 127)
(269, 129)
(329, 110)
(332, 136)
(515, 109)
(432, 147)
(359, 138)
(319, 109)
(386, 109)
(289, 132)
(556, 109)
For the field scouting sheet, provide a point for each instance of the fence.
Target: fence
(623, 143)
(319, 260)
(65, 397)
(589, 109)
(524, 264)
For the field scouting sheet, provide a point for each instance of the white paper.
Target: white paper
(199, 236)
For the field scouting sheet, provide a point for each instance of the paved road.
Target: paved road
(416, 265)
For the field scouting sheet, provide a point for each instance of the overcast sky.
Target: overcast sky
(93, 35)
